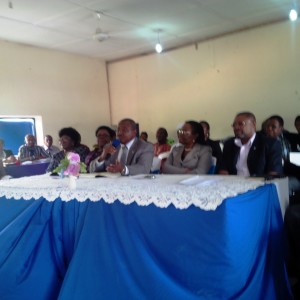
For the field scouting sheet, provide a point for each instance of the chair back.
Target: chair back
(212, 169)
(157, 161)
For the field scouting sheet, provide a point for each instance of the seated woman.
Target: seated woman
(30, 151)
(69, 139)
(104, 135)
(192, 156)
(161, 146)
(6, 156)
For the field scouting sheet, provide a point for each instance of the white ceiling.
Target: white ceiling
(130, 26)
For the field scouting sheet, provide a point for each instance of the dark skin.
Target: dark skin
(125, 134)
(66, 143)
(161, 136)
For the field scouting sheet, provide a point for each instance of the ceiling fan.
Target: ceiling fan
(99, 34)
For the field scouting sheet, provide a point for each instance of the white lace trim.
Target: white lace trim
(205, 192)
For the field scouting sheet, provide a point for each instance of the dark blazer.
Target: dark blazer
(264, 156)
(139, 158)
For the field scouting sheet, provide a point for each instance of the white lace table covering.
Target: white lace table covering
(205, 192)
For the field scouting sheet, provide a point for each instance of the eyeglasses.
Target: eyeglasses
(239, 124)
(184, 132)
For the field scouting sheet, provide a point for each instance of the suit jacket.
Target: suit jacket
(264, 156)
(139, 158)
(199, 159)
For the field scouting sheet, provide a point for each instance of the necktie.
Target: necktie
(124, 155)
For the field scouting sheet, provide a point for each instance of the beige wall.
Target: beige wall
(256, 70)
(64, 89)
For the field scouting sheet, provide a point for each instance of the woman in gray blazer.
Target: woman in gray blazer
(192, 156)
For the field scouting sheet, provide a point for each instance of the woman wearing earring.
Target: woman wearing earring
(191, 156)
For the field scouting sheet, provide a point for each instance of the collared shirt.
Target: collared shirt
(241, 165)
(285, 147)
(96, 164)
(128, 146)
(26, 152)
(51, 150)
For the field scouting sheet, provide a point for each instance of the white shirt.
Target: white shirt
(51, 150)
(128, 146)
(241, 165)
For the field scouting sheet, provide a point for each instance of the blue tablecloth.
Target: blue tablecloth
(95, 250)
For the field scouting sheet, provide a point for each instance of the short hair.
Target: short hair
(278, 118)
(205, 123)
(111, 132)
(164, 131)
(197, 129)
(28, 135)
(130, 122)
(145, 133)
(297, 119)
(72, 133)
(248, 114)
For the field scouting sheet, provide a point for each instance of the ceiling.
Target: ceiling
(116, 29)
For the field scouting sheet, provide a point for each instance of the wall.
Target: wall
(254, 70)
(64, 89)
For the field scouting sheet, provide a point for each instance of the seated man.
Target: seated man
(275, 129)
(133, 156)
(49, 147)
(250, 153)
(30, 151)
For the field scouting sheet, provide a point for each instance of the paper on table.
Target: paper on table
(199, 181)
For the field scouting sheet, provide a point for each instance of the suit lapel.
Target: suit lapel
(252, 153)
(132, 151)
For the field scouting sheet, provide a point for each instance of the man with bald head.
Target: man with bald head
(133, 156)
(250, 153)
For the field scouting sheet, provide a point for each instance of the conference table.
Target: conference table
(28, 168)
(142, 237)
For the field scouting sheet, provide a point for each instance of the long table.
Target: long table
(35, 168)
(170, 237)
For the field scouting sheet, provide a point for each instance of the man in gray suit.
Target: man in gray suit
(133, 156)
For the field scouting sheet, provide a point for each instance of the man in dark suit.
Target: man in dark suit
(250, 153)
(133, 156)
